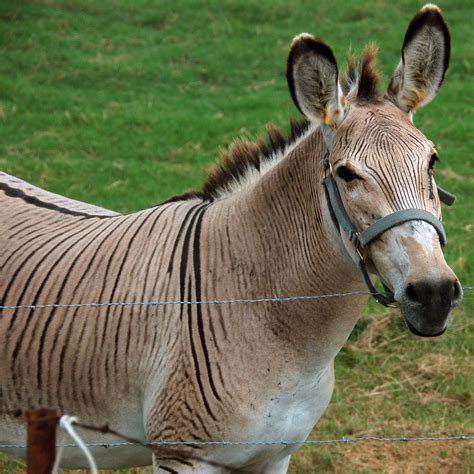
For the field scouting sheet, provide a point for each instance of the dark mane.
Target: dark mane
(361, 79)
(242, 155)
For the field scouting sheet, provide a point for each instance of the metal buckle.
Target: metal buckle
(361, 251)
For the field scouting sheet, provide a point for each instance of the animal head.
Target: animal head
(381, 162)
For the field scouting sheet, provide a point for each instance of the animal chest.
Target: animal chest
(287, 412)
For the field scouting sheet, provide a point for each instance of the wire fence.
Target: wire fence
(270, 299)
(128, 441)
(307, 442)
(42, 437)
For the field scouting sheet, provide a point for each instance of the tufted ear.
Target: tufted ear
(313, 80)
(425, 59)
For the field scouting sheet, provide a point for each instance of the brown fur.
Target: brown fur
(362, 75)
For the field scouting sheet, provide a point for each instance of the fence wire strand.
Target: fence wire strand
(271, 299)
(343, 440)
(130, 441)
(164, 443)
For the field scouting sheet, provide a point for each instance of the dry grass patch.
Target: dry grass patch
(390, 458)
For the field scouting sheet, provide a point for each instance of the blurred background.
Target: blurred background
(125, 103)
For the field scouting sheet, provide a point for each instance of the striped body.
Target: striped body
(168, 372)
(261, 227)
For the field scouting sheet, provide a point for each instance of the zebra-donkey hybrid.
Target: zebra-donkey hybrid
(263, 225)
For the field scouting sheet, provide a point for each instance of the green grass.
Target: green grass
(124, 104)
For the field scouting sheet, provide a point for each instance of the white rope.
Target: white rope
(271, 299)
(65, 423)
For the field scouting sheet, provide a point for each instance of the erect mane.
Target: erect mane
(244, 161)
(361, 79)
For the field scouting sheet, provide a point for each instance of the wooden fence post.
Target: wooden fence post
(41, 439)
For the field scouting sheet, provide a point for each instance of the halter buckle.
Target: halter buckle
(360, 250)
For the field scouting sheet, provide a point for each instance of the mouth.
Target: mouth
(415, 331)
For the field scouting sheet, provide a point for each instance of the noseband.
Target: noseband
(360, 240)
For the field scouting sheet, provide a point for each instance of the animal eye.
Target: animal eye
(346, 174)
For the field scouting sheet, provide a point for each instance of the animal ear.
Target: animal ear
(313, 80)
(425, 59)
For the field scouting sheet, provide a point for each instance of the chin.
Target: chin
(435, 332)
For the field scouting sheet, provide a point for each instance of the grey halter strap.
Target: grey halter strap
(360, 240)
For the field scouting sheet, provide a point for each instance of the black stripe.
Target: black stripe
(179, 460)
(103, 287)
(178, 235)
(168, 469)
(18, 224)
(25, 287)
(148, 263)
(197, 279)
(184, 254)
(17, 193)
(182, 278)
(71, 320)
(49, 319)
(64, 224)
(93, 259)
(20, 266)
(195, 357)
(114, 290)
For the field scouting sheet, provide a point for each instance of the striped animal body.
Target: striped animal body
(261, 227)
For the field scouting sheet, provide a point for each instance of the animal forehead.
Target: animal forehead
(377, 132)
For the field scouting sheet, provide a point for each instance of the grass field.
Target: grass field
(125, 103)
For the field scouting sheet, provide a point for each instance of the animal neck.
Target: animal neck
(281, 240)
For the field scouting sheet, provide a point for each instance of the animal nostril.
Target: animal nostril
(457, 292)
(411, 293)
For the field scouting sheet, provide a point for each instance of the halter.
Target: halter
(360, 240)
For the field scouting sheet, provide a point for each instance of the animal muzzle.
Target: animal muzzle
(426, 303)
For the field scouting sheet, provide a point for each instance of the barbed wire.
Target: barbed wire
(271, 299)
(343, 440)
(170, 451)
(130, 441)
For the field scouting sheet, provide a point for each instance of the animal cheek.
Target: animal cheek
(364, 217)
